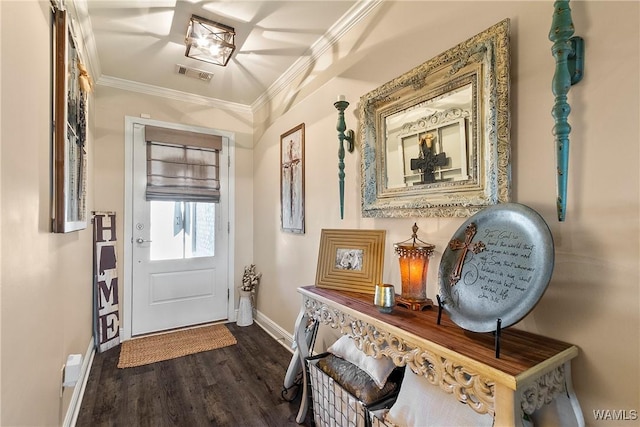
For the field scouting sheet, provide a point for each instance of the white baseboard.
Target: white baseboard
(78, 391)
(273, 329)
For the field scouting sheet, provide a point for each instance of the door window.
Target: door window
(181, 230)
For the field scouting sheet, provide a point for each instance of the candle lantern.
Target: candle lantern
(413, 255)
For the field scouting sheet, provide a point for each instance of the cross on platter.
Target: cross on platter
(456, 244)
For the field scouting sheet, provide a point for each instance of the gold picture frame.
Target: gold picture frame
(69, 164)
(350, 260)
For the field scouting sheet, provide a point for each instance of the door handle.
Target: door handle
(141, 240)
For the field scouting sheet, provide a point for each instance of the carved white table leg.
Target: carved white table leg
(506, 412)
(545, 389)
(303, 337)
(575, 405)
(294, 364)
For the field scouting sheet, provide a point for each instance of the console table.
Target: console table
(530, 372)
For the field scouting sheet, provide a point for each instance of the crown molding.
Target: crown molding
(358, 12)
(80, 14)
(177, 95)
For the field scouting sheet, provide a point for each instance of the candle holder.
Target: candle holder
(343, 135)
(384, 298)
(413, 255)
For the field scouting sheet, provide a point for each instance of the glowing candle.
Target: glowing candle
(413, 255)
(414, 265)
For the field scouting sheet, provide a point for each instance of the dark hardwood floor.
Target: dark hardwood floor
(239, 385)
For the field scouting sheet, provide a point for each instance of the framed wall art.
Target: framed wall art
(292, 180)
(350, 260)
(435, 141)
(69, 165)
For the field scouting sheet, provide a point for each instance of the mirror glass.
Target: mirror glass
(435, 141)
(429, 143)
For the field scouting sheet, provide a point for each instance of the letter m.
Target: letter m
(108, 293)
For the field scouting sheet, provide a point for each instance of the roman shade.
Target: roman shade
(182, 165)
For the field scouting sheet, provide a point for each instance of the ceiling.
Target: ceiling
(137, 44)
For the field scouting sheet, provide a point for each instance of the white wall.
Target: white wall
(46, 279)
(593, 298)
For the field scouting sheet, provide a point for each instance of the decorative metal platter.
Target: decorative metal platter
(496, 266)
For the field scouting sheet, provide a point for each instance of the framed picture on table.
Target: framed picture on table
(350, 260)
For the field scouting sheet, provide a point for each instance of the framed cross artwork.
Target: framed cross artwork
(292, 180)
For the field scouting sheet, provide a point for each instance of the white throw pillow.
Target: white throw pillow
(423, 404)
(378, 369)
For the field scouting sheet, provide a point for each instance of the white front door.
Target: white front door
(179, 255)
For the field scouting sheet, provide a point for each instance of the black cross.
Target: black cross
(427, 161)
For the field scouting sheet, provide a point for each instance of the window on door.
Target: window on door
(181, 230)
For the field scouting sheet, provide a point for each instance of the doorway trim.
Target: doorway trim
(228, 146)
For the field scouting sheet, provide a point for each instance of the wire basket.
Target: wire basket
(333, 406)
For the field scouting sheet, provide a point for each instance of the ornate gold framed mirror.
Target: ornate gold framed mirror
(435, 141)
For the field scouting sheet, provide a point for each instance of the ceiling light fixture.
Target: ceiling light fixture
(209, 41)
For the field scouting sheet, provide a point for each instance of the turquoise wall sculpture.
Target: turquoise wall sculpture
(569, 54)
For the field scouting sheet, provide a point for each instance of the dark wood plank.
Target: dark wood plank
(239, 385)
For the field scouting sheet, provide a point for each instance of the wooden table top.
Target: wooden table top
(522, 354)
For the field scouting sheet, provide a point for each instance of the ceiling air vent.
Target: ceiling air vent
(194, 73)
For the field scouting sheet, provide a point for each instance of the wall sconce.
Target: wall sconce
(413, 255)
(569, 54)
(209, 41)
(343, 135)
